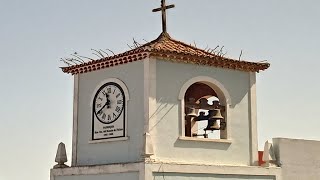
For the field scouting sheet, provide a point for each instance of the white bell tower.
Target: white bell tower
(164, 109)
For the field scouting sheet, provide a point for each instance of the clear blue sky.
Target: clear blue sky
(36, 97)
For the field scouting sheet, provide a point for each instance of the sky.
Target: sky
(36, 97)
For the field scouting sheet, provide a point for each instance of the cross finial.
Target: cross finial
(163, 9)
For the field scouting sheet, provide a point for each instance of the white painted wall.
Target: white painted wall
(124, 171)
(130, 150)
(299, 159)
(209, 172)
(186, 176)
(149, 171)
(159, 104)
(157, 170)
(165, 128)
(115, 176)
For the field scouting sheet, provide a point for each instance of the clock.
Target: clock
(108, 102)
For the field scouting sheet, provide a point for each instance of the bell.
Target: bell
(215, 114)
(215, 104)
(201, 117)
(212, 125)
(191, 112)
(203, 103)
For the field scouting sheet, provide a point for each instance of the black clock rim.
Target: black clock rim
(95, 97)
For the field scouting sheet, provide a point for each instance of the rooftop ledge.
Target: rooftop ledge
(183, 138)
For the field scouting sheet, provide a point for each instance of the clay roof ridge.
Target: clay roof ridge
(164, 37)
(161, 37)
(192, 47)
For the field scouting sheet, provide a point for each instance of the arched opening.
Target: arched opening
(205, 112)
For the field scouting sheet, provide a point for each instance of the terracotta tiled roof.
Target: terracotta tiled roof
(166, 48)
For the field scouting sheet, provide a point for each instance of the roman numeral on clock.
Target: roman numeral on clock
(119, 101)
(118, 109)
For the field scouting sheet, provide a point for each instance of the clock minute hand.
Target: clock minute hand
(98, 112)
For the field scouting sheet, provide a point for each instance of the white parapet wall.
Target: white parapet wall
(168, 171)
(128, 171)
(299, 159)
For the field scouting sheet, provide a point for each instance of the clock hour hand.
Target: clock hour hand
(106, 104)
(108, 101)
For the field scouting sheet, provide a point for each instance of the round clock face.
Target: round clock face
(108, 102)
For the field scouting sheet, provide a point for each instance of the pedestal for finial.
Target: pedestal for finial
(61, 156)
(149, 145)
(148, 149)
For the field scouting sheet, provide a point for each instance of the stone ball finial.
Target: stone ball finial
(61, 156)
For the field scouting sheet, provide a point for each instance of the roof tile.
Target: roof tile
(166, 48)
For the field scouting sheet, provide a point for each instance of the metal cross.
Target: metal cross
(163, 9)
